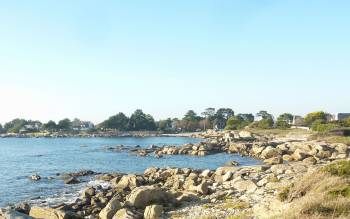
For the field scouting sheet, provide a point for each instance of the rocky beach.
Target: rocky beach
(270, 190)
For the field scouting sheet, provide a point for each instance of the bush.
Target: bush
(321, 126)
(341, 168)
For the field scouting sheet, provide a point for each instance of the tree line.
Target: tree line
(210, 118)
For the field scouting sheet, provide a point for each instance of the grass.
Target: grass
(235, 204)
(282, 195)
(280, 132)
(331, 139)
(343, 191)
(322, 194)
(340, 168)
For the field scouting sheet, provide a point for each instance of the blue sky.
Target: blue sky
(92, 59)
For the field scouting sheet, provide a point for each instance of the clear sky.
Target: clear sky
(92, 59)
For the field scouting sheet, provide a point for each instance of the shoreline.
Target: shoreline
(195, 193)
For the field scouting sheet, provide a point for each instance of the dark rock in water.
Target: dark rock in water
(35, 177)
(23, 207)
(77, 174)
(71, 180)
(232, 163)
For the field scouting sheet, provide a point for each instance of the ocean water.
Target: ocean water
(22, 157)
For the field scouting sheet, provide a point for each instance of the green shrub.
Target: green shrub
(341, 168)
(321, 126)
(343, 190)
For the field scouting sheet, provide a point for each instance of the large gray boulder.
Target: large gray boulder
(143, 196)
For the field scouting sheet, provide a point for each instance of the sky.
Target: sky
(92, 59)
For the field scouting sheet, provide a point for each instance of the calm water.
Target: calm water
(22, 157)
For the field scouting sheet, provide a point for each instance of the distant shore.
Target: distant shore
(96, 134)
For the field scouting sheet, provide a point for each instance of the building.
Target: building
(78, 125)
(342, 116)
(298, 121)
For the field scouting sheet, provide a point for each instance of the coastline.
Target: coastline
(227, 191)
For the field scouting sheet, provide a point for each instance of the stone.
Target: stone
(71, 180)
(270, 152)
(274, 160)
(245, 134)
(206, 173)
(23, 207)
(128, 181)
(88, 192)
(50, 213)
(310, 160)
(298, 155)
(245, 185)
(287, 157)
(232, 163)
(227, 176)
(35, 177)
(126, 214)
(153, 212)
(143, 196)
(12, 214)
(202, 188)
(111, 208)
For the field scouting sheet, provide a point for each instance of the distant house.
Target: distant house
(31, 127)
(78, 125)
(342, 116)
(298, 121)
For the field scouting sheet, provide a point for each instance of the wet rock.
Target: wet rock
(71, 180)
(23, 207)
(232, 163)
(12, 214)
(88, 192)
(153, 212)
(35, 177)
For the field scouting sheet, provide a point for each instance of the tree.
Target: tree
(347, 122)
(264, 114)
(239, 121)
(221, 117)
(191, 116)
(15, 125)
(50, 126)
(312, 117)
(119, 121)
(65, 125)
(284, 120)
(140, 121)
(1, 129)
(164, 125)
(209, 116)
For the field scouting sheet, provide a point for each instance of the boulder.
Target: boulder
(287, 157)
(245, 185)
(11, 214)
(126, 214)
(231, 163)
(35, 177)
(50, 213)
(23, 208)
(88, 192)
(206, 173)
(153, 212)
(270, 152)
(129, 181)
(202, 188)
(274, 160)
(298, 155)
(227, 176)
(111, 208)
(310, 160)
(143, 196)
(71, 180)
